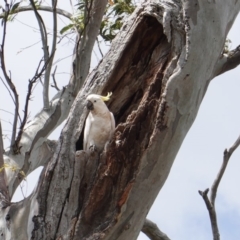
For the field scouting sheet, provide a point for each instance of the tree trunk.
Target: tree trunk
(158, 68)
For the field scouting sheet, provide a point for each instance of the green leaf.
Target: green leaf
(66, 28)
(15, 6)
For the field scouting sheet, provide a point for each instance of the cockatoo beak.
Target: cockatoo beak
(89, 105)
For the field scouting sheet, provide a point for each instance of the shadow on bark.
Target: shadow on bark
(101, 185)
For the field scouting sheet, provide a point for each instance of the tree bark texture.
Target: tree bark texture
(158, 68)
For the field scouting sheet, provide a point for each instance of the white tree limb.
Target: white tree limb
(48, 59)
(40, 8)
(37, 131)
(93, 17)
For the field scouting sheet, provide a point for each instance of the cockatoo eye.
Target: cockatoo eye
(95, 100)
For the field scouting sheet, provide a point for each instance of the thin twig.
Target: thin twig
(54, 80)
(6, 111)
(211, 203)
(152, 231)
(40, 8)
(31, 83)
(9, 91)
(22, 49)
(7, 77)
(99, 48)
(71, 5)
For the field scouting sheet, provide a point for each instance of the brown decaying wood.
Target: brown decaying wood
(103, 192)
(114, 179)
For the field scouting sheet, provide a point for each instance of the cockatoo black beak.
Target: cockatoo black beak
(89, 105)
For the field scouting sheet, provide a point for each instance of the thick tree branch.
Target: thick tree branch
(152, 231)
(45, 47)
(92, 19)
(49, 66)
(40, 8)
(210, 204)
(228, 61)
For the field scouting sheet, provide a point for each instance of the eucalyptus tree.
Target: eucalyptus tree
(162, 57)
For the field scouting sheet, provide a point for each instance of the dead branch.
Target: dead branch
(8, 77)
(210, 204)
(152, 231)
(212, 214)
(226, 156)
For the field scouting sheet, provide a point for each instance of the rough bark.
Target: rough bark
(158, 68)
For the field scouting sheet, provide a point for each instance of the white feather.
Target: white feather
(99, 125)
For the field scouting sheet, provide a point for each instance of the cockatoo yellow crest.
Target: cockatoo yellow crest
(100, 123)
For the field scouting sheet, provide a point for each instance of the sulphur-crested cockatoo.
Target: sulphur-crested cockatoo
(100, 123)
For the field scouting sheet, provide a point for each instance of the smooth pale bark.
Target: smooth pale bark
(34, 150)
(158, 68)
(152, 231)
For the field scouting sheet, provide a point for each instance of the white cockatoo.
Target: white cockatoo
(100, 123)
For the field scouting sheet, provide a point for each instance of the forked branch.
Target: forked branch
(210, 204)
(31, 83)
(54, 85)
(8, 76)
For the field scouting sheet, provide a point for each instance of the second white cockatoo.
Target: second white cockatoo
(100, 123)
